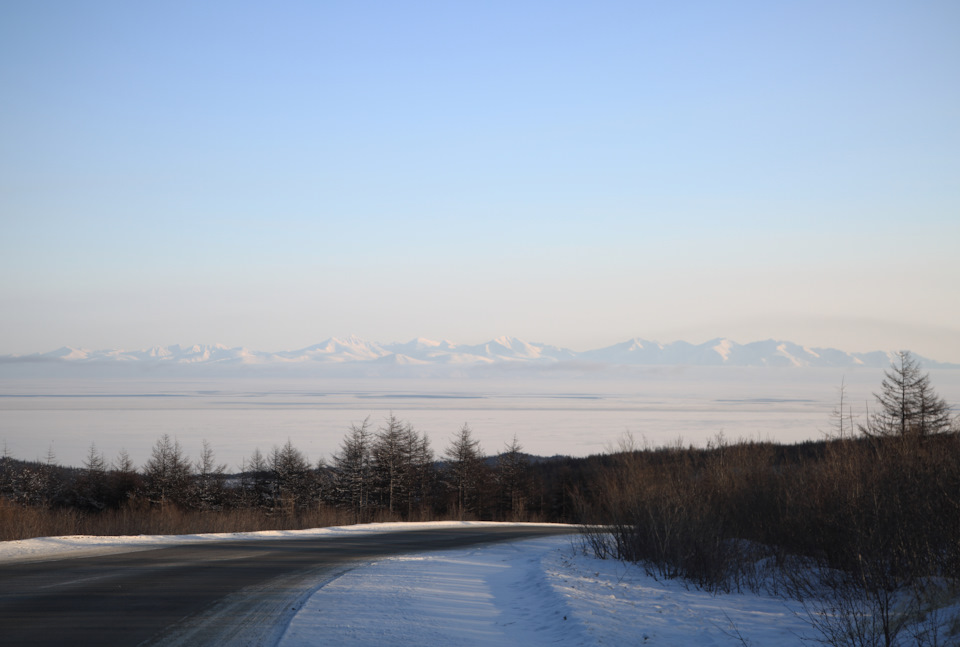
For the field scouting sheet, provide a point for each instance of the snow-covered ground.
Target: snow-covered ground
(530, 592)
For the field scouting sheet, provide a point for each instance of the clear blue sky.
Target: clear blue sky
(575, 173)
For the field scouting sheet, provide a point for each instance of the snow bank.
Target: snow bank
(532, 592)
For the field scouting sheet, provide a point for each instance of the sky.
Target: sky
(568, 173)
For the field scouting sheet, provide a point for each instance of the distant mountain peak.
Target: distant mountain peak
(723, 348)
(421, 354)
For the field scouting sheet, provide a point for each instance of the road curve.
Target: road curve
(222, 593)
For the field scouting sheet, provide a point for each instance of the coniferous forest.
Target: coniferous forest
(383, 472)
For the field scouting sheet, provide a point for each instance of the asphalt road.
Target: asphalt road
(217, 593)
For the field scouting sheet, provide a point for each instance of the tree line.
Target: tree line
(383, 472)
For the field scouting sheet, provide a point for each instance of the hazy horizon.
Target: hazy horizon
(567, 173)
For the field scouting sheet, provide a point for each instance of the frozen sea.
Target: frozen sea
(576, 416)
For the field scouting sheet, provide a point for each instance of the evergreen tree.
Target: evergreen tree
(292, 477)
(352, 470)
(167, 473)
(391, 463)
(92, 487)
(123, 479)
(208, 483)
(255, 484)
(909, 407)
(465, 471)
(419, 478)
(513, 481)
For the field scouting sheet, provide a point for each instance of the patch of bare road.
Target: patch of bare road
(215, 593)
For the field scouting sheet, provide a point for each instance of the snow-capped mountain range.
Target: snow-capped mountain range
(502, 351)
